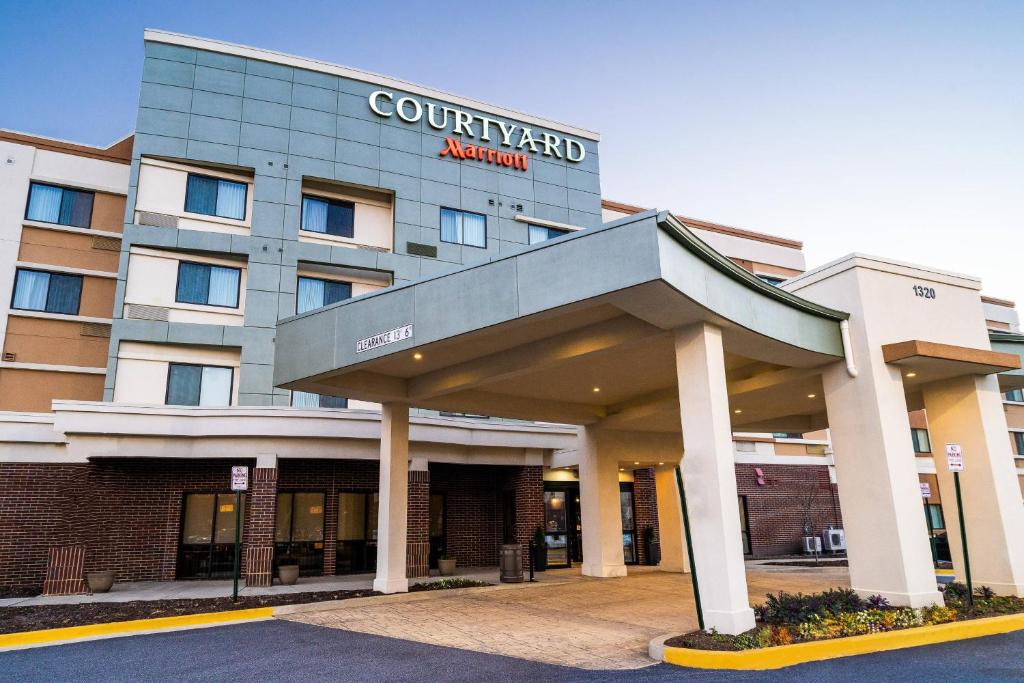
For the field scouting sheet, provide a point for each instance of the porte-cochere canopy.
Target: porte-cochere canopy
(578, 329)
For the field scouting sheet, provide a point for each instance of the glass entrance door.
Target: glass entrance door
(562, 528)
(357, 532)
(629, 549)
(206, 547)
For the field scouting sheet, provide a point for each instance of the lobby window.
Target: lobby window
(922, 444)
(1015, 395)
(304, 399)
(1018, 444)
(299, 530)
(540, 233)
(215, 197)
(316, 293)
(201, 283)
(328, 216)
(52, 204)
(38, 290)
(198, 385)
(464, 227)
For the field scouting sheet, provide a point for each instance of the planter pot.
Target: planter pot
(446, 567)
(653, 553)
(100, 582)
(289, 574)
(540, 558)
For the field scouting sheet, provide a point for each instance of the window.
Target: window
(316, 293)
(787, 435)
(303, 399)
(921, 441)
(933, 515)
(299, 530)
(215, 197)
(328, 216)
(463, 227)
(773, 280)
(539, 233)
(37, 290)
(198, 385)
(200, 283)
(1015, 395)
(745, 526)
(51, 204)
(1018, 444)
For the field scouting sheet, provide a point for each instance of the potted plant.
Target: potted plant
(100, 582)
(288, 570)
(446, 565)
(652, 546)
(540, 550)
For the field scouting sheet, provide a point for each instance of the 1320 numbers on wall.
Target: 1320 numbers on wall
(924, 292)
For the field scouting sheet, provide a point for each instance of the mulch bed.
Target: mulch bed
(809, 563)
(38, 617)
(699, 640)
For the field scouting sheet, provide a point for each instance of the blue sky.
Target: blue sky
(887, 128)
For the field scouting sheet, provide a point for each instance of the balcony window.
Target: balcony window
(37, 290)
(215, 197)
(464, 227)
(201, 283)
(198, 385)
(922, 444)
(540, 233)
(52, 204)
(328, 216)
(316, 293)
(303, 399)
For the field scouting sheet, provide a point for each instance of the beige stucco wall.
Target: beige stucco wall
(373, 224)
(142, 369)
(162, 190)
(153, 280)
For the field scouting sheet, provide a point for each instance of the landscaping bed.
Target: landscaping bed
(808, 563)
(786, 619)
(444, 584)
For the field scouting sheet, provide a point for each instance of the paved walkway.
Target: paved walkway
(567, 619)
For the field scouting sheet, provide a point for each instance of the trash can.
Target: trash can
(511, 563)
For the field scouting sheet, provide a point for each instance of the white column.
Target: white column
(879, 493)
(394, 498)
(969, 411)
(670, 523)
(709, 477)
(600, 512)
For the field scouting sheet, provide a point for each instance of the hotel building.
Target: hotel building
(415, 319)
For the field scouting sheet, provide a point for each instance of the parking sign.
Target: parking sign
(239, 478)
(954, 457)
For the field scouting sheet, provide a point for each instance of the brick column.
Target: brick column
(645, 504)
(529, 487)
(65, 562)
(260, 511)
(418, 525)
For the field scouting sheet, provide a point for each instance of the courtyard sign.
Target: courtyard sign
(511, 135)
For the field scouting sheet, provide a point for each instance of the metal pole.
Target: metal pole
(689, 547)
(532, 580)
(238, 544)
(963, 538)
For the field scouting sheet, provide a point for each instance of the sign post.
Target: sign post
(689, 547)
(955, 462)
(239, 483)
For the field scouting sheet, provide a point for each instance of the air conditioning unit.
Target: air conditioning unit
(834, 539)
(812, 544)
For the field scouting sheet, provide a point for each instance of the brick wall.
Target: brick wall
(260, 513)
(528, 483)
(776, 508)
(645, 506)
(472, 511)
(418, 525)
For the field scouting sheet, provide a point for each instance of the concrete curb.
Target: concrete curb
(800, 653)
(117, 629)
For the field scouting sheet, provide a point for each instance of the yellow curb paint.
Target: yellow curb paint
(25, 638)
(944, 572)
(788, 655)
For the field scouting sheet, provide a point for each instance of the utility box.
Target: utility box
(511, 563)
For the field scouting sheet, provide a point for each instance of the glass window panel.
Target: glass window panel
(340, 219)
(224, 527)
(44, 203)
(371, 517)
(30, 290)
(626, 507)
(64, 294)
(474, 229)
(558, 549)
(201, 195)
(554, 511)
(283, 518)
(231, 199)
(336, 291)
(215, 389)
(436, 516)
(223, 287)
(193, 283)
(628, 551)
(1015, 395)
(308, 517)
(314, 214)
(183, 384)
(76, 208)
(451, 226)
(198, 517)
(935, 516)
(538, 234)
(351, 516)
(1018, 441)
(304, 399)
(332, 401)
(311, 294)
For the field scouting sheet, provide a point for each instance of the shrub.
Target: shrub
(878, 602)
(984, 592)
(955, 594)
(443, 584)
(937, 614)
(790, 609)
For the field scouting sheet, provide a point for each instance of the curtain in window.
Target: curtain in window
(231, 199)
(336, 291)
(340, 219)
(76, 208)
(193, 283)
(333, 401)
(183, 384)
(44, 203)
(314, 215)
(224, 286)
(538, 234)
(451, 226)
(65, 293)
(311, 294)
(474, 230)
(215, 389)
(201, 195)
(30, 290)
(304, 399)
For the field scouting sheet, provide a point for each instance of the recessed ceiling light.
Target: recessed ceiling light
(737, 411)
(661, 463)
(622, 469)
(636, 462)
(811, 395)
(417, 356)
(597, 390)
(911, 374)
